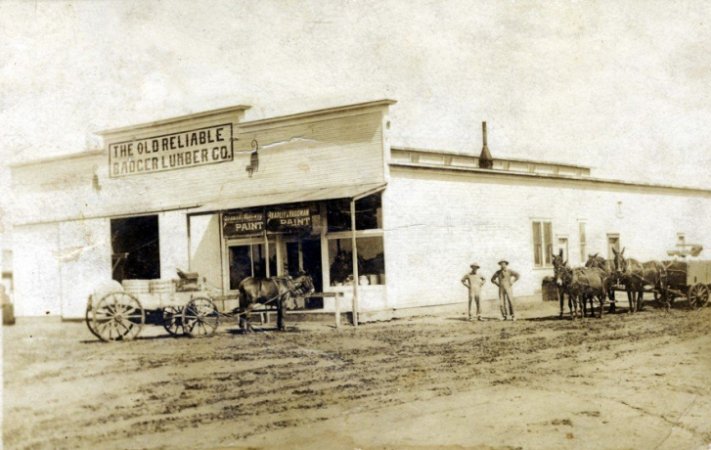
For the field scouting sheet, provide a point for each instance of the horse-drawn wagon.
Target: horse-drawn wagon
(183, 306)
(689, 279)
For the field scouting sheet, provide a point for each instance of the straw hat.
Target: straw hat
(474, 265)
(503, 261)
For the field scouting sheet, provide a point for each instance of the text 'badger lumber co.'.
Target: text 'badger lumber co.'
(171, 151)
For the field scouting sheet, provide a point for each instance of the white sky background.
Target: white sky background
(619, 86)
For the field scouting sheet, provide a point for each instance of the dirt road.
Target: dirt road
(641, 381)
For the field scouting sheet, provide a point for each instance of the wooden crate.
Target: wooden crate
(698, 272)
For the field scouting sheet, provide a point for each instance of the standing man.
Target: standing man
(504, 278)
(473, 281)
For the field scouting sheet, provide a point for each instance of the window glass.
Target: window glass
(537, 250)
(542, 243)
(249, 260)
(368, 214)
(371, 261)
(240, 264)
(548, 241)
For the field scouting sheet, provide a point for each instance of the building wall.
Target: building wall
(84, 262)
(37, 280)
(60, 264)
(205, 248)
(63, 207)
(321, 151)
(438, 222)
(173, 242)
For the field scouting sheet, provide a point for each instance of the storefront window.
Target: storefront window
(371, 261)
(368, 214)
(248, 260)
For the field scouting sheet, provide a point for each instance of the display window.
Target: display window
(368, 214)
(249, 260)
(371, 261)
(369, 241)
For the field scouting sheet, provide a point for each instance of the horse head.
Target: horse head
(304, 282)
(560, 268)
(558, 261)
(563, 275)
(619, 260)
(595, 260)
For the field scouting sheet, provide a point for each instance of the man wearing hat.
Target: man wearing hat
(473, 281)
(504, 278)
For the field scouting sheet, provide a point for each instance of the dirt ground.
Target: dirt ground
(638, 381)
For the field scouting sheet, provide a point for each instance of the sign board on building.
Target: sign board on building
(178, 150)
(279, 219)
(287, 219)
(243, 223)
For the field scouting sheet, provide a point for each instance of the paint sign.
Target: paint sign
(179, 150)
(289, 219)
(242, 223)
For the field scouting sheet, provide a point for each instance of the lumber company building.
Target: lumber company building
(317, 191)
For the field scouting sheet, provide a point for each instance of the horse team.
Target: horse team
(599, 279)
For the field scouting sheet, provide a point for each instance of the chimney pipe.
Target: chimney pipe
(485, 159)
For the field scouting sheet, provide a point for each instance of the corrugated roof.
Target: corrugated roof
(296, 196)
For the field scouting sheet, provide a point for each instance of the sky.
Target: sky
(622, 87)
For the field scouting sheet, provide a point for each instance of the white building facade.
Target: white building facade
(212, 194)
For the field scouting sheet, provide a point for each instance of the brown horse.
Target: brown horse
(279, 291)
(591, 283)
(608, 266)
(579, 284)
(558, 265)
(636, 276)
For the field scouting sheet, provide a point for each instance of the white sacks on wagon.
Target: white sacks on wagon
(118, 311)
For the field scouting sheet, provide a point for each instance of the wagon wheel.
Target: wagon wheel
(698, 295)
(173, 320)
(117, 316)
(89, 318)
(200, 317)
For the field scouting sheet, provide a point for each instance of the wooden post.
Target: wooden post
(266, 255)
(354, 252)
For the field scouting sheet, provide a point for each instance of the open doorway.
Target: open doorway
(304, 254)
(135, 248)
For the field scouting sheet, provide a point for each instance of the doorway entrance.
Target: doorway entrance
(304, 254)
(287, 255)
(135, 248)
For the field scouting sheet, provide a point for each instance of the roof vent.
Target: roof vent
(485, 159)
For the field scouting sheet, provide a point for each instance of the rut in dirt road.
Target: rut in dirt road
(270, 381)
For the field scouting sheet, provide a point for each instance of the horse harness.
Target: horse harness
(295, 290)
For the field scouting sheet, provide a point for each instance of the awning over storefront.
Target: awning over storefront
(295, 196)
